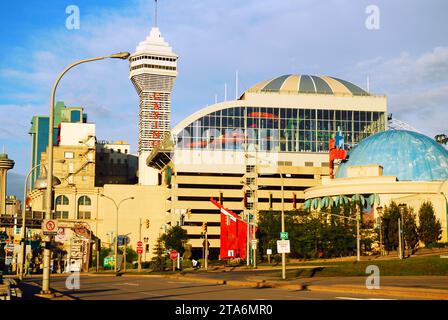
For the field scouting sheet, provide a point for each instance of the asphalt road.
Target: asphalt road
(151, 288)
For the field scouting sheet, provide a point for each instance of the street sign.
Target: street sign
(50, 227)
(139, 247)
(283, 246)
(122, 239)
(109, 261)
(254, 244)
(9, 248)
(61, 234)
(284, 235)
(268, 251)
(173, 255)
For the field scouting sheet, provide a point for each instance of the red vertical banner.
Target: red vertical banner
(233, 234)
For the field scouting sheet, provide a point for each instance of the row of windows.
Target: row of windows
(154, 58)
(81, 215)
(153, 66)
(279, 129)
(82, 201)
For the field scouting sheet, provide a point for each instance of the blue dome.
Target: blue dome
(405, 154)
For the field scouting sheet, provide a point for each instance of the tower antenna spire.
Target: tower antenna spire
(155, 15)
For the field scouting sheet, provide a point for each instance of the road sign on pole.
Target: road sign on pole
(50, 227)
(284, 235)
(173, 255)
(283, 246)
(139, 247)
(254, 244)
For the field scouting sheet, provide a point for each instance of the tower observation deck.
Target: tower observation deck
(153, 69)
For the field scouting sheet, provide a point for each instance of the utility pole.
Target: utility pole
(140, 239)
(358, 238)
(124, 253)
(206, 251)
(400, 248)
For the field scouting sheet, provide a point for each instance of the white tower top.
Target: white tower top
(154, 43)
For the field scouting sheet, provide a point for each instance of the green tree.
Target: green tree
(175, 238)
(158, 260)
(389, 225)
(410, 230)
(131, 255)
(312, 235)
(441, 138)
(430, 229)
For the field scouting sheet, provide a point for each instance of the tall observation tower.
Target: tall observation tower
(153, 70)
(5, 165)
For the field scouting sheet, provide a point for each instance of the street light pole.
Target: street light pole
(283, 225)
(282, 216)
(380, 210)
(254, 251)
(23, 232)
(49, 201)
(117, 207)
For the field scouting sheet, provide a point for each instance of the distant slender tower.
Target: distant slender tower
(153, 69)
(5, 165)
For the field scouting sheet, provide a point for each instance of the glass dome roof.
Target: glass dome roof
(405, 154)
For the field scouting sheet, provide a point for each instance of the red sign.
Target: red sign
(50, 225)
(139, 244)
(173, 255)
(139, 250)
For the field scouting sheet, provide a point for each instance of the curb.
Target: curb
(414, 293)
(404, 292)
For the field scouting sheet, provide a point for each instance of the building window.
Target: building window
(85, 215)
(68, 155)
(62, 200)
(84, 201)
(61, 214)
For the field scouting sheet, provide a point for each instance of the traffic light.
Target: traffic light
(220, 198)
(189, 213)
(294, 201)
(204, 227)
(147, 223)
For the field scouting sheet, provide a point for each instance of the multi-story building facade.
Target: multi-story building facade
(275, 134)
(115, 164)
(39, 131)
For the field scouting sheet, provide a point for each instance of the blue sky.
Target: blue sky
(406, 59)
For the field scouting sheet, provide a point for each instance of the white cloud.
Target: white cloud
(416, 87)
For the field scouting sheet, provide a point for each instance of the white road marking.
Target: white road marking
(349, 298)
(125, 284)
(175, 282)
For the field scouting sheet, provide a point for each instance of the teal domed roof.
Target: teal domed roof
(405, 154)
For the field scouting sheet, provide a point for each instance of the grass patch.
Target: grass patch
(415, 266)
